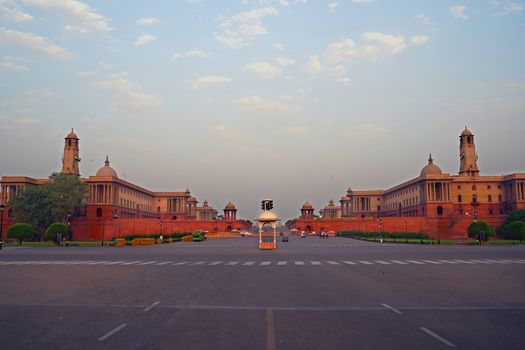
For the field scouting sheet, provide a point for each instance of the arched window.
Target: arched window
(99, 212)
(440, 210)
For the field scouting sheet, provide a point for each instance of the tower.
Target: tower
(467, 154)
(71, 158)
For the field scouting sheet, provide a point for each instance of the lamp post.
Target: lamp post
(115, 217)
(2, 207)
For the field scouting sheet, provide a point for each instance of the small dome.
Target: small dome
(192, 199)
(72, 135)
(267, 216)
(430, 168)
(345, 198)
(230, 205)
(349, 190)
(307, 205)
(466, 132)
(205, 204)
(106, 170)
(331, 203)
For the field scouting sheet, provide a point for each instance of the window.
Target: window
(488, 187)
(499, 186)
(460, 198)
(473, 187)
(459, 187)
(474, 198)
(440, 210)
(491, 212)
(490, 198)
(99, 212)
(500, 198)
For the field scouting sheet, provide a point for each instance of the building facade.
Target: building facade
(113, 206)
(433, 196)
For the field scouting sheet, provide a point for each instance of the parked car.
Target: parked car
(284, 238)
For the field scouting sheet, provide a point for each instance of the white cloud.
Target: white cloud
(206, 81)
(86, 74)
(419, 39)
(363, 1)
(263, 70)
(81, 17)
(138, 100)
(144, 39)
(278, 46)
(147, 21)
(458, 11)
(366, 130)
(238, 31)
(423, 19)
(117, 83)
(509, 8)
(12, 66)
(298, 95)
(390, 43)
(11, 12)
(27, 121)
(191, 53)
(260, 104)
(313, 66)
(296, 130)
(332, 6)
(345, 80)
(336, 71)
(9, 37)
(285, 61)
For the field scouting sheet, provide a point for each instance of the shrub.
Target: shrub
(20, 231)
(478, 226)
(396, 235)
(516, 230)
(53, 230)
(515, 215)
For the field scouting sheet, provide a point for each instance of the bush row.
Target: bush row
(363, 234)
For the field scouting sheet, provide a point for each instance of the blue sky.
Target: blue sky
(240, 100)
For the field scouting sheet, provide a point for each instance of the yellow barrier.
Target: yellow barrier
(223, 235)
(143, 241)
(187, 239)
(120, 242)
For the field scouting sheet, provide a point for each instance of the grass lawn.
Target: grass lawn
(52, 244)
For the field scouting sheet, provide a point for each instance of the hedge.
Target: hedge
(20, 231)
(397, 235)
(53, 230)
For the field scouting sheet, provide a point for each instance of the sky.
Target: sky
(242, 100)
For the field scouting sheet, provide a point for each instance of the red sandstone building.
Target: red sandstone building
(436, 203)
(115, 207)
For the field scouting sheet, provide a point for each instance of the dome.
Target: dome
(205, 204)
(106, 170)
(430, 168)
(466, 132)
(307, 205)
(72, 135)
(192, 199)
(230, 206)
(331, 203)
(345, 198)
(267, 216)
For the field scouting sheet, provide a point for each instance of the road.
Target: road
(311, 293)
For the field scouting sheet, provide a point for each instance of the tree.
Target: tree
(43, 205)
(54, 229)
(20, 231)
(478, 226)
(516, 230)
(515, 215)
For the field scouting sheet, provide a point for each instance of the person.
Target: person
(302, 234)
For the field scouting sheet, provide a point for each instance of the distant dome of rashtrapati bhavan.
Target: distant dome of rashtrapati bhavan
(434, 202)
(115, 207)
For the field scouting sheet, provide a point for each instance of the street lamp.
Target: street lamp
(2, 207)
(115, 217)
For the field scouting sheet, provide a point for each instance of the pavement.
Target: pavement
(311, 293)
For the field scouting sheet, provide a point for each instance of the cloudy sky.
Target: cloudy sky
(244, 99)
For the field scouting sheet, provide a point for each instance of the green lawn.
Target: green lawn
(52, 244)
(411, 241)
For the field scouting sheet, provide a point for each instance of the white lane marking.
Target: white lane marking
(181, 263)
(333, 263)
(249, 263)
(432, 262)
(132, 262)
(215, 263)
(281, 263)
(399, 262)
(382, 262)
(315, 262)
(198, 263)
(465, 262)
(392, 308)
(364, 262)
(115, 262)
(416, 262)
(299, 262)
(515, 261)
(232, 263)
(151, 306)
(447, 262)
(110, 333)
(164, 263)
(498, 261)
(481, 261)
(437, 337)
(265, 263)
(348, 262)
(148, 263)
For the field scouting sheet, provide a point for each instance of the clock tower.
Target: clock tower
(71, 158)
(467, 154)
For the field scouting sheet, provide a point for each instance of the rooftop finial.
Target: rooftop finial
(107, 160)
(430, 160)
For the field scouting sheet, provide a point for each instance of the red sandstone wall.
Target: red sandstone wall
(431, 226)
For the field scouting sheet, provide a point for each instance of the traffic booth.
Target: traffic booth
(267, 239)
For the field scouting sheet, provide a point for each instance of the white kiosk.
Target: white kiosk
(267, 217)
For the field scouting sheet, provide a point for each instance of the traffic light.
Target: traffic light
(270, 205)
(263, 206)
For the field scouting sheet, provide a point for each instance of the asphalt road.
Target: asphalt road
(311, 293)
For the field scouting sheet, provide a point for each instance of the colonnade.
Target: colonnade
(102, 193)
(8, 192)
(438, 192)
(177, 205)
